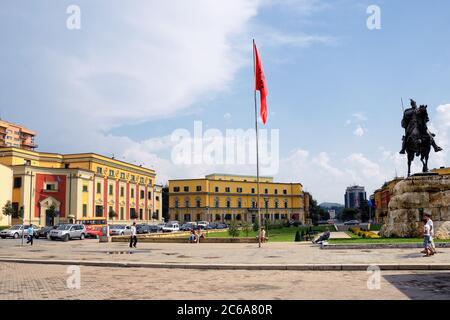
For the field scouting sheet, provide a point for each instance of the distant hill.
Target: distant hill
(328, 205)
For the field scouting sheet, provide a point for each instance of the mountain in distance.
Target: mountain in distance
(329, 205)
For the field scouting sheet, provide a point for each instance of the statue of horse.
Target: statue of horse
(418, 142)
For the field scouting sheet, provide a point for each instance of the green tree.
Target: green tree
(233, 229)
(112, 214)
(8, 209)
(256, 226)
(349, 214)
(298, 236)
(246, 228)
(51, 211)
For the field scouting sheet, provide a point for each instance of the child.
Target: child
(426, 238)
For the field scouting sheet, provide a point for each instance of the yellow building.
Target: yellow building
(222, 197)
(80, 186)
(6, 178)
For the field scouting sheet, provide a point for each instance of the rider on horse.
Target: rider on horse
(409, 122)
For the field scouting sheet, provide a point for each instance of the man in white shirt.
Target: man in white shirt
(133, 238)
(431, 225)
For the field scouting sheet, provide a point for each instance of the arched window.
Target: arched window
(239, 203)
(276, 203)
(285, 203)
(253, 203)
(186, 202)
(198, 202)
(228, 203)
(216, 202)
(176, 203)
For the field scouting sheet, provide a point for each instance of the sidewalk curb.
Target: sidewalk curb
(294, 267)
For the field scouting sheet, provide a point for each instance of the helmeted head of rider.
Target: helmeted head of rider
(413, 104)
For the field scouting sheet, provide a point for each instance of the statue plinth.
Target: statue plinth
(430, 192)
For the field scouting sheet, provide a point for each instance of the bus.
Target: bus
(92, 222)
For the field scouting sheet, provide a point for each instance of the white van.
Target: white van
(171, 227)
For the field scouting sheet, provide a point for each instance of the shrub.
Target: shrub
(233, 229)
(298, 237)
(256, 226)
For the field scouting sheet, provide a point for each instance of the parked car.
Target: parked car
(222, 226)
(186, 227)
(142, 228)
(44, 232)
(120, 230)
(152, 228)
(95, 232)
(160, 226)
(68, 231)
(351, 223)
(16, 231)
(211, 225)
(171, 227)
(203, 224)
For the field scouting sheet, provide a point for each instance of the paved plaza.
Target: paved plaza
(28, 281)
(215, 253)
(40, 281)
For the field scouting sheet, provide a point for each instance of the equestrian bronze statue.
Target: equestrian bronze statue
(417, 140)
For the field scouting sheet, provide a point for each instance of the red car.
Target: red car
(95, 232)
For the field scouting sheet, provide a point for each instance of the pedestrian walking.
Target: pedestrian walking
(430, 223)
(30, 234)
(133, 238)
(426, 239)
(200, 235)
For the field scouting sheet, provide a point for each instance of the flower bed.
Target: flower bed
(364, 233)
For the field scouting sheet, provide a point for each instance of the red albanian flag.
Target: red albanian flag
(260, 84)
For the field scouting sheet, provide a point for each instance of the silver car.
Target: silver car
(66, 232)
(16, 231)
(120, 230)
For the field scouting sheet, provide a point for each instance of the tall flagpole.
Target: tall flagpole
(257, 150)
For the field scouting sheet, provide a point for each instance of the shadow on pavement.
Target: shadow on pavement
(422, 286)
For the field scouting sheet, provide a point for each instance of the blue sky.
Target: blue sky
(138, 70)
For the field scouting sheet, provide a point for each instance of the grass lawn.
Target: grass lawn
(275, 235)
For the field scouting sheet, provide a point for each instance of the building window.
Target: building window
(84, 210)
(227, 189)
(199, 188)
(176, 189)
(277, 216)
(85, 188)
(157, 198)
(99, 211)
(121, 213)
(122, 175)
(122, 191)
(253, 204)
(276, 204)
(141, 180)
(99, 187)
(111, 189)
(276, 191)
(266, 204)
(176, 203)
(239, 190)
(239, 203)
(50, 186)
(186, 203)
(132, 193)
(253, 190)
(266, 191)
(186, 189)
(142, 194)
(216, 189)
(111, 173)
(228, 203)
(284, 191)
(133, 177)
(198, 203)
(285, 204)
(99, 170)
(17, 182)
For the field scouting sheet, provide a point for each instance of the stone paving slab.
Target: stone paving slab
(217, 254)
(43, 282)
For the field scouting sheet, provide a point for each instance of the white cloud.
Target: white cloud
(359, 131)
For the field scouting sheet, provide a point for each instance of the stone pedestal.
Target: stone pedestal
(428, 192)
